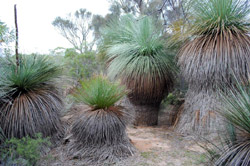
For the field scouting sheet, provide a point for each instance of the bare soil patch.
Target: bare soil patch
(156, 146)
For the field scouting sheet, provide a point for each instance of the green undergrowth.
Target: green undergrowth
(22, 152)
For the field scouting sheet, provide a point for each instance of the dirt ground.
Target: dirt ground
(156, 146)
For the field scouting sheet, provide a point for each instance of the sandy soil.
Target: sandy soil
(156, 146)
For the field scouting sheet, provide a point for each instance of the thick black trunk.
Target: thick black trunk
(168, 114)
(144, 114)
(200, 114)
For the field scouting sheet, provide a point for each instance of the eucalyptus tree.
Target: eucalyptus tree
(3, 31)
(138, 56)
(168, 11)
(219, 45)
(77, 29)
(6, 37)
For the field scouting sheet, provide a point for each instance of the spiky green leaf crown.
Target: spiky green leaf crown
(220, 43)
(138, 55)
(236, 111)
(236, 108)
(213, 16)
(34, 71)
(99, 93)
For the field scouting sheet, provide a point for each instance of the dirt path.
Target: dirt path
(157, 146)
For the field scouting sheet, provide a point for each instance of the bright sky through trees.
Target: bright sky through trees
(36, 33)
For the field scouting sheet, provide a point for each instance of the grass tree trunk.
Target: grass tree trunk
(146, 115)
(199, 115)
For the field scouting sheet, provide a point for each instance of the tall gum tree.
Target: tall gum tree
(77, 29)
(219, 46)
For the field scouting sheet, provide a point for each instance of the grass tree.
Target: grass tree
(2, 136)
(99, 134)
(30, 102)
(137, 54)
(233, 149)
(219, 45)
(237, 113)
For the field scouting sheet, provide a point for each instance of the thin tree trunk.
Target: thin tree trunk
(17, 56)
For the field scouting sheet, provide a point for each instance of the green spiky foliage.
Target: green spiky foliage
(237, 113)
(100, 93)
(218, 45)
(30, 102)
(137, 54)
(233, 149)
(99, 134)
(219, 16)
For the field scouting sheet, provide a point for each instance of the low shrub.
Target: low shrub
(25, 151)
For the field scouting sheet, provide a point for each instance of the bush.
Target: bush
(34, 71)
(25, 151)
(174, 98)
(81, 66)
(237, 113)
